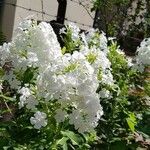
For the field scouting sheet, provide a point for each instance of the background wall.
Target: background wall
(45, 10)
(7, 18)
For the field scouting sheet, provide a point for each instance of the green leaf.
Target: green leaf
(62, 141)
(6, 147)
(65, 147)
(29, 75)
(63, 50)
(1, 71)
(7, 98)
(75, 138)
(15, 148)
(131, 120)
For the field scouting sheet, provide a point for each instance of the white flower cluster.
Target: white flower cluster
(94, 48)
(71, 79)
(135, 14)
(143, 55)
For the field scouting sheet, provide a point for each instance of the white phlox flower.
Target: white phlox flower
(104, 93)
(60, 115)
(39, 120)
(24, 95)
(26, 98)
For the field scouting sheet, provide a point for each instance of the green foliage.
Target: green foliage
(18, 133)
(69, 44)
(121, 119)
(91, 58)
(111, 23)
(113, 14)
(108, 3)
(71, 67)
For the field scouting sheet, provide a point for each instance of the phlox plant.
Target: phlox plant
(125, 99)
(55, 98)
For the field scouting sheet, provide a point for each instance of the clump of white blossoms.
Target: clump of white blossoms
(94, 48)
(143, 55)
(36, 68)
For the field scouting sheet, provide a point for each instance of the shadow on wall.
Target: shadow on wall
(2, 37)
(1, 13)
(7, 18)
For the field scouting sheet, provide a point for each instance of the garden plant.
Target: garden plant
(85, 95)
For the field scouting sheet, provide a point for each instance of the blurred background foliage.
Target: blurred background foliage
(111, 16)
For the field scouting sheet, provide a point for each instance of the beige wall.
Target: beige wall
(78, 13)
(49, 7)
(74, 12)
